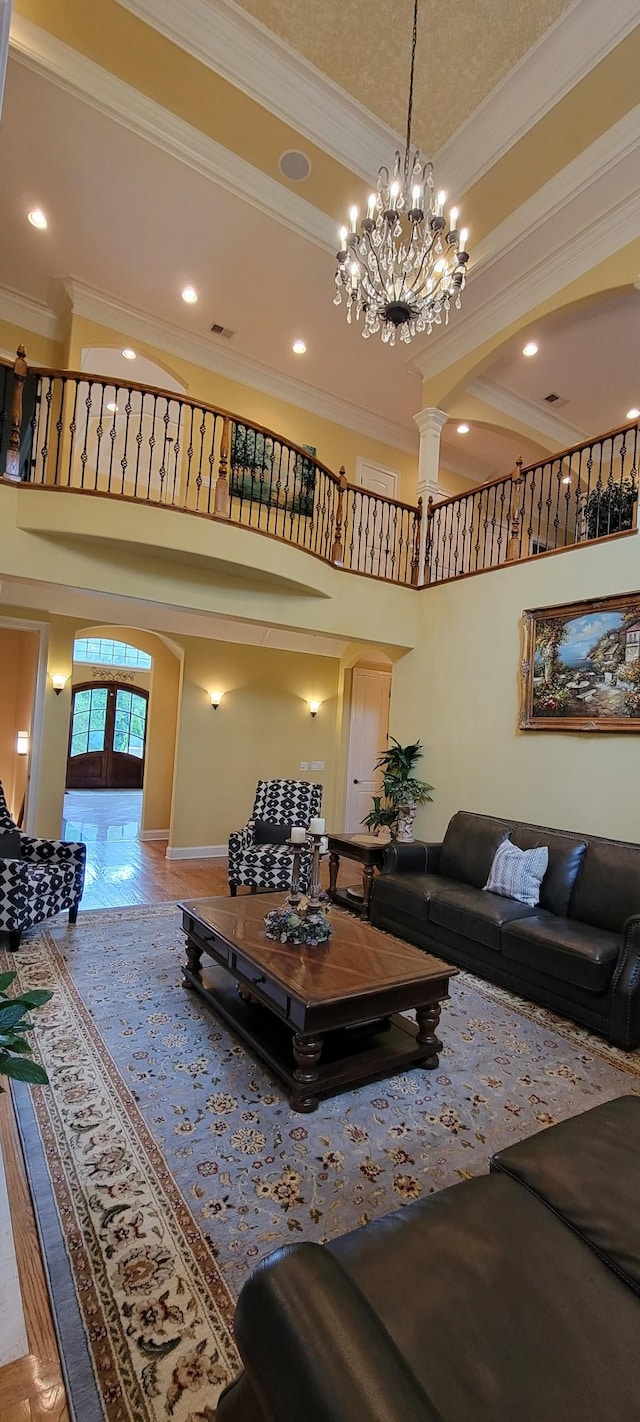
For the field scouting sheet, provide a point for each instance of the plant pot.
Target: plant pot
(404, 824)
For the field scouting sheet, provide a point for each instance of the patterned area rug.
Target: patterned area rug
(173, 1162)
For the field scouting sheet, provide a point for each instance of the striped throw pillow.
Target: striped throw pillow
(518, 873)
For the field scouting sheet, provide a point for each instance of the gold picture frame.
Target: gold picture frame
(580, 668)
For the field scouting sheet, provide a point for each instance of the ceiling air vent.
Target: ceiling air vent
(218, 330)
(554, 399)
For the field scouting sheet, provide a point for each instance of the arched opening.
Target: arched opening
(122, 735)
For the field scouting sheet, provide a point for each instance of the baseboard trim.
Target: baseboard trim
(197, 851)
(153, 834)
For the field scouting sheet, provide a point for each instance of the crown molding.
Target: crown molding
(234, 44)
(32, 315)
(107, 311)
(517, 407)
(75, 74)
(568, 51)
(230, 41)
(582, 216)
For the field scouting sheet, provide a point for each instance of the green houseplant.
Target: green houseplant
(610, 509)
(15, 1051)
(402, 791)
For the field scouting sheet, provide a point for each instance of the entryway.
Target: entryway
(107, 737)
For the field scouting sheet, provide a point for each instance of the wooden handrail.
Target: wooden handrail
(208, 456)
(521, 470)
(55, 373)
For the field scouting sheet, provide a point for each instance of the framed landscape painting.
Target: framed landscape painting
(581, 666)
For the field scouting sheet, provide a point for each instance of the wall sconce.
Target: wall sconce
(58, 682)
(314, 707)
(215, 698)
(22, 743)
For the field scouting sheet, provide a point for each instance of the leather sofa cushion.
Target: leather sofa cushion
(469, 846)
(607, 891)
(588, 1170)
(481, 1289)
(575, 952)
(410, 892)
(475, 913)
(565, 858)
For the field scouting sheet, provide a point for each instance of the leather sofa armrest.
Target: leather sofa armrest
(313, 1347)
(624, 1021)
(417, 858)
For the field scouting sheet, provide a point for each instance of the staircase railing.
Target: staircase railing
(584, 493)
(90, 434)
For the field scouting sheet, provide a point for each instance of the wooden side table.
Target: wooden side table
(367, 851)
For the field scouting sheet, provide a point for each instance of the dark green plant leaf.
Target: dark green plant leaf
(11, 1013)
(9, 1042)
(22, 1070)
(6, 980)
(36, 997)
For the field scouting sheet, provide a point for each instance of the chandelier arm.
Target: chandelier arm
(377, 261)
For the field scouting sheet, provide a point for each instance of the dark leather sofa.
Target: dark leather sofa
(513, 1297)
(577, 952)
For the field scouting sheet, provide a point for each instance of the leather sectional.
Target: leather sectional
(577, 952)
(513, 1297)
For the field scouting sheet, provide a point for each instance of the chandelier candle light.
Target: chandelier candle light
(403, 264)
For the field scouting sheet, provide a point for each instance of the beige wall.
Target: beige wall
(262, 729)
(459, 690)
(18, 666)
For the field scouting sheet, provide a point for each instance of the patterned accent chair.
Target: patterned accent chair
(264, 867)
(47, 878)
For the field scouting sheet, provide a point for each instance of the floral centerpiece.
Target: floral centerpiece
(300, 923)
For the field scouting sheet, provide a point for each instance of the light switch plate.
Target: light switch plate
(304, 765)
(317, 765)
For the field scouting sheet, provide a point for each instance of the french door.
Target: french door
(107, 737)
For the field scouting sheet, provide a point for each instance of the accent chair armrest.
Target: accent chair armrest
(417, 858)
(624, 1025)
(314, 1348)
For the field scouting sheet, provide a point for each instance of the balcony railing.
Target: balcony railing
(84, 433)
(581, 494)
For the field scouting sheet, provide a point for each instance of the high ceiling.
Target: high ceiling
(156, 154)
(463, 52)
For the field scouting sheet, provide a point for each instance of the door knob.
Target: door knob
(356, 782)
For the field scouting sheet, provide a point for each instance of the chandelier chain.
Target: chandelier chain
(414, 42)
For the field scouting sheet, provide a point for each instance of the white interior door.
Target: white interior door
(372, 528)
(368, 730)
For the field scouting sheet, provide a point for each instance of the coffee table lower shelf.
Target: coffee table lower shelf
(342, 1058)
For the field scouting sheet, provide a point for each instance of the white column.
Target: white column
(5, 23)
(430, 422)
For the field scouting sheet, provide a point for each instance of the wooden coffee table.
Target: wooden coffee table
(324, 1019)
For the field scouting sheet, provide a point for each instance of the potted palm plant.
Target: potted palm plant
(15, 1051)
(402, 792)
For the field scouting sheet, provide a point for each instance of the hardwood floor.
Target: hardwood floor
(121, 870)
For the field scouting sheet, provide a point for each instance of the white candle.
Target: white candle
(316, 827)
(298, 834)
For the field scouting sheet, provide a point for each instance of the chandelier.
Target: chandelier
(403, 264)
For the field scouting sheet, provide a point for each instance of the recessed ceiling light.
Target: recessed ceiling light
(112, 407)
(463, 429)
(189, 295)
(530, 349)
(37, 218)
(128, 353)
(298, 348)
(567, 479)
(633, 414)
